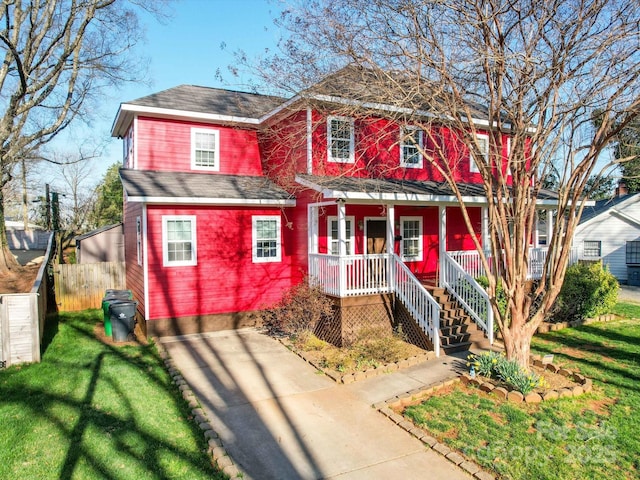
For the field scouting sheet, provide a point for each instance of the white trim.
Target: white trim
(254, 248)
(139, 239)
(350, 240)
(194, 241)
(145, 263)
(216, 149)
(309, 142)
(352, 156)
(213, 201)
(624, 216)
(419, 143)
(473, 165)
(420, 255)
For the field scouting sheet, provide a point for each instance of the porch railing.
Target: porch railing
(470, 262)
(471, 295)
(353, 275)
(420, 304)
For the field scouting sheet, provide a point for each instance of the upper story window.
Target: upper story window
(205, 149)
(179, 240)
(411, 147)
(482, 140)
(340, 139)
(411, 239)
(139, 240)
(267, 240)
(334, 246)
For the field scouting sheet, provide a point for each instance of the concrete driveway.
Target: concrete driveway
(279, 418)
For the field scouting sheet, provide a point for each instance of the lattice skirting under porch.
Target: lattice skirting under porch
(412, 332)
(353, 315)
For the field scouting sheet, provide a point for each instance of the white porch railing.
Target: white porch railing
(353, 275)
(470, 262)
(471, 295)
(420, 304)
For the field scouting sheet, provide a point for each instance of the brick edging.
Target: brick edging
(552, 327)
(414, 397)
(219, 455)
(357, 376)
(584, 385)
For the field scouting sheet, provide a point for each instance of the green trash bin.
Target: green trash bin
(111, 296)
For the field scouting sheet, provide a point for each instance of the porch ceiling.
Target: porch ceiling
(400, 191)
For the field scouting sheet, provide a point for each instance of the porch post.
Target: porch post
(342, 245)
(390, 243)
(485, 228)
(442, 240)
(312, 228)
(549, 226)
(536, 240)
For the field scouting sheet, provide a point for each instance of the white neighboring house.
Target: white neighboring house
(33, 238)
(607, 230)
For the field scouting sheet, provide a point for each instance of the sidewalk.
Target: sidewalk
(278, 418)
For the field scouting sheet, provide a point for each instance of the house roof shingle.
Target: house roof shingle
(407, 189)
(602, 206)
(192, 98)
(182, 187)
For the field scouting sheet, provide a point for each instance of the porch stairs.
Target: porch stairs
(458, 332)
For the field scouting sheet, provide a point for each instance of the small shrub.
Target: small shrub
(501, 298)
(485, 363)
(299, 311)
(496, 365)
(589, 290)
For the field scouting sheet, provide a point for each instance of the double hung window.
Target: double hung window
(340, 139)
(179, 240)
(266, 239)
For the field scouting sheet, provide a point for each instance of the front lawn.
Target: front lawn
(92, 410)
(592, 436)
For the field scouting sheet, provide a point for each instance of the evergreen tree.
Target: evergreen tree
(108, 207)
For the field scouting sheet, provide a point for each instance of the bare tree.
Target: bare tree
(58, 57)
(535, 70)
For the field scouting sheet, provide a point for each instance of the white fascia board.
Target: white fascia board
(214, 201)
(127, 109)
(627, 218)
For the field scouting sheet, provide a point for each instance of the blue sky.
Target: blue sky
(186, 49)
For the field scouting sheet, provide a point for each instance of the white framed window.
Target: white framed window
(482, 140)
(411, 247)
(205, 149)
(179, 240)
(332, 229)
(340, 140)
(139, 239)
(267, 239)
(410, 147)
(592, 248)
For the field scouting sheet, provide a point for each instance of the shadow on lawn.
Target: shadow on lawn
(138, 448)
(584, 339)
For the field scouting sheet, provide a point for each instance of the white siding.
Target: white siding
(614, 232)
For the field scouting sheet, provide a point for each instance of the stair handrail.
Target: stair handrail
(417, 300)
(471, 295)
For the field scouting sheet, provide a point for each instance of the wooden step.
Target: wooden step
(458, 347)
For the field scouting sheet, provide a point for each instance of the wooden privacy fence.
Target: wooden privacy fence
(82, 286)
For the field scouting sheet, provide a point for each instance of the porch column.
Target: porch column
(390, 228)
(549, 226)
(442, 240)
(342, 245)
(536, 240)
(485, 228)
(312, 228)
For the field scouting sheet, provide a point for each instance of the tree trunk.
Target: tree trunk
(517, 344)
(8, 262)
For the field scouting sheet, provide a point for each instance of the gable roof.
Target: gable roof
(603, 206)
(376, 190)
(97, 231)
(201, 188)
(194, 102)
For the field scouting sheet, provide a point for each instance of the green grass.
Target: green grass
(627, 309)
(590, 437)
(91, 410)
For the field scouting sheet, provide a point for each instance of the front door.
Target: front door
(376, 236)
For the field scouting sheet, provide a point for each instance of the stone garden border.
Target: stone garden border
(551, 326)
(219, 455)
(346, 378)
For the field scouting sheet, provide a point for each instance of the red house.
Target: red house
(231, 198)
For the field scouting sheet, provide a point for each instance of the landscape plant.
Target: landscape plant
(497, 366)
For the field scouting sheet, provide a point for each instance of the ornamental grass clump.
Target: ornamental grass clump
(495, 365)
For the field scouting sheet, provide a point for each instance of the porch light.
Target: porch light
(361, 225)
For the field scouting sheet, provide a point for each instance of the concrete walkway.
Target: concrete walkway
(279, 418)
